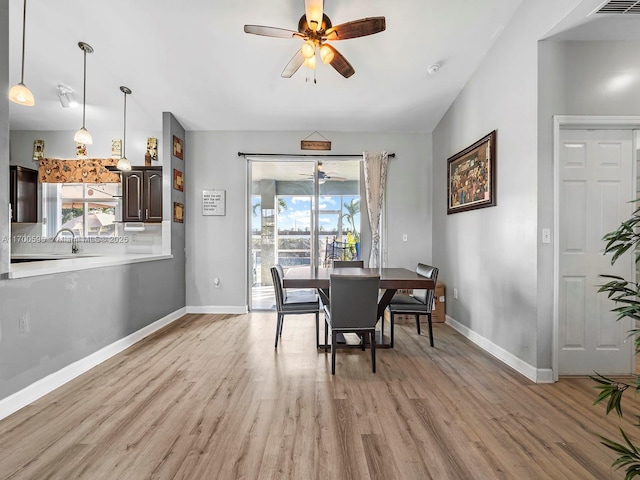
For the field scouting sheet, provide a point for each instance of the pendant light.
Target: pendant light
(19, 93)
(83, 135)
(123, 163)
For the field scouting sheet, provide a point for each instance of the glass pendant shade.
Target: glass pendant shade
(326, 54)
(83, 136)
(20, 94)
(310, 62)
(308, 49)
(123, 164)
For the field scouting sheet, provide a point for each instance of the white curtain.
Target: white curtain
(375, 178)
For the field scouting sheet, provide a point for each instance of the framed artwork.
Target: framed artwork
(177, 148)
(214, 202)
(471, 176)
(152, 148)
(178, 212)
(178, 180)
(116, 148)
(38, 149)
(81, 150)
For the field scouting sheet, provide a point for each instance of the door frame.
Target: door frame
(579, 122)
(312, 159)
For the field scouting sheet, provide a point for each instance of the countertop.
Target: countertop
(47, 264)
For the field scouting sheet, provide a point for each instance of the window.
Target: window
(87, 209)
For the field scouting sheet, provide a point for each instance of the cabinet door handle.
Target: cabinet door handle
(139, 213)
(146, 214)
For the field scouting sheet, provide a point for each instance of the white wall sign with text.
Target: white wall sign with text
(213, 202)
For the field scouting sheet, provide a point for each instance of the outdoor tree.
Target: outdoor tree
(353, 209)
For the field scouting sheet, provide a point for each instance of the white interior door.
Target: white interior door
(595, 187)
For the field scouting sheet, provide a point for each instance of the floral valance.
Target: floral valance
(87, 170)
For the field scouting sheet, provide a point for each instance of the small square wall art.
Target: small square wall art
(177, 148)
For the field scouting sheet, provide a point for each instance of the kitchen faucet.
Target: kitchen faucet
(74, 243)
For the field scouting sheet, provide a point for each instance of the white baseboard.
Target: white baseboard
(537, 375)
(38, 389)
(206, 309)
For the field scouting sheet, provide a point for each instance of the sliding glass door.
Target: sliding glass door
(297, 209)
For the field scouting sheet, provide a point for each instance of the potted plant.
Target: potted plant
(626, 295)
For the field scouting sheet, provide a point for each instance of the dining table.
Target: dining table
(391, 280)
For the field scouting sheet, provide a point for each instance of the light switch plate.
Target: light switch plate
(546, 235)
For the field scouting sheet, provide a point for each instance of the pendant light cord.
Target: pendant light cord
(84, 87)
(124, 133)
(24, 23)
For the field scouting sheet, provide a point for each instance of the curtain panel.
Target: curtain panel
(375, 179)
(87, 170)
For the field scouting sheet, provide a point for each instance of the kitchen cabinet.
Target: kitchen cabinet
(142, 195)
(23, 194)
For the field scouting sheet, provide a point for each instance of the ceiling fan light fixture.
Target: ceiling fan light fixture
(308, 49)
(326, 54)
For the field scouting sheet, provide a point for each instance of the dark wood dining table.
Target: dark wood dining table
(391, 280)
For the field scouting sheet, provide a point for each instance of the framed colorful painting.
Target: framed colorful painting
(471, 176)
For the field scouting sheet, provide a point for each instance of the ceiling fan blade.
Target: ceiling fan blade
(356, 28)
(270, 31)
(313, 12)
(340, 63)
(294, 64)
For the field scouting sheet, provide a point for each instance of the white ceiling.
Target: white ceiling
(192, 58)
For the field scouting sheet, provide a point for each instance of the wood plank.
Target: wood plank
(209, 397)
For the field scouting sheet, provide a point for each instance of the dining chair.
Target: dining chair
(348, 264)
(324, 294)
(418, 302)
(353, 309)
(298, 304)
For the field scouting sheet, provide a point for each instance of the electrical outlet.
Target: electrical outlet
(216, 282)
(24, 325)
(455, 293)
(404, 237)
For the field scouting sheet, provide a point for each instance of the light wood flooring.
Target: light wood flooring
(208, 397)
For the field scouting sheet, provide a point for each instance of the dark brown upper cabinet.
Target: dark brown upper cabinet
(23, 194)
(142, 195)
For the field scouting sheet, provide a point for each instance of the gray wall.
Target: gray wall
(5, 245)
(217, 246)
(575, 78)
(73, 314)
(491, 255)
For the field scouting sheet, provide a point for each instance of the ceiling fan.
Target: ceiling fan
(316, 30)
(324, 176)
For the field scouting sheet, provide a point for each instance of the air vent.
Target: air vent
(621, 7)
